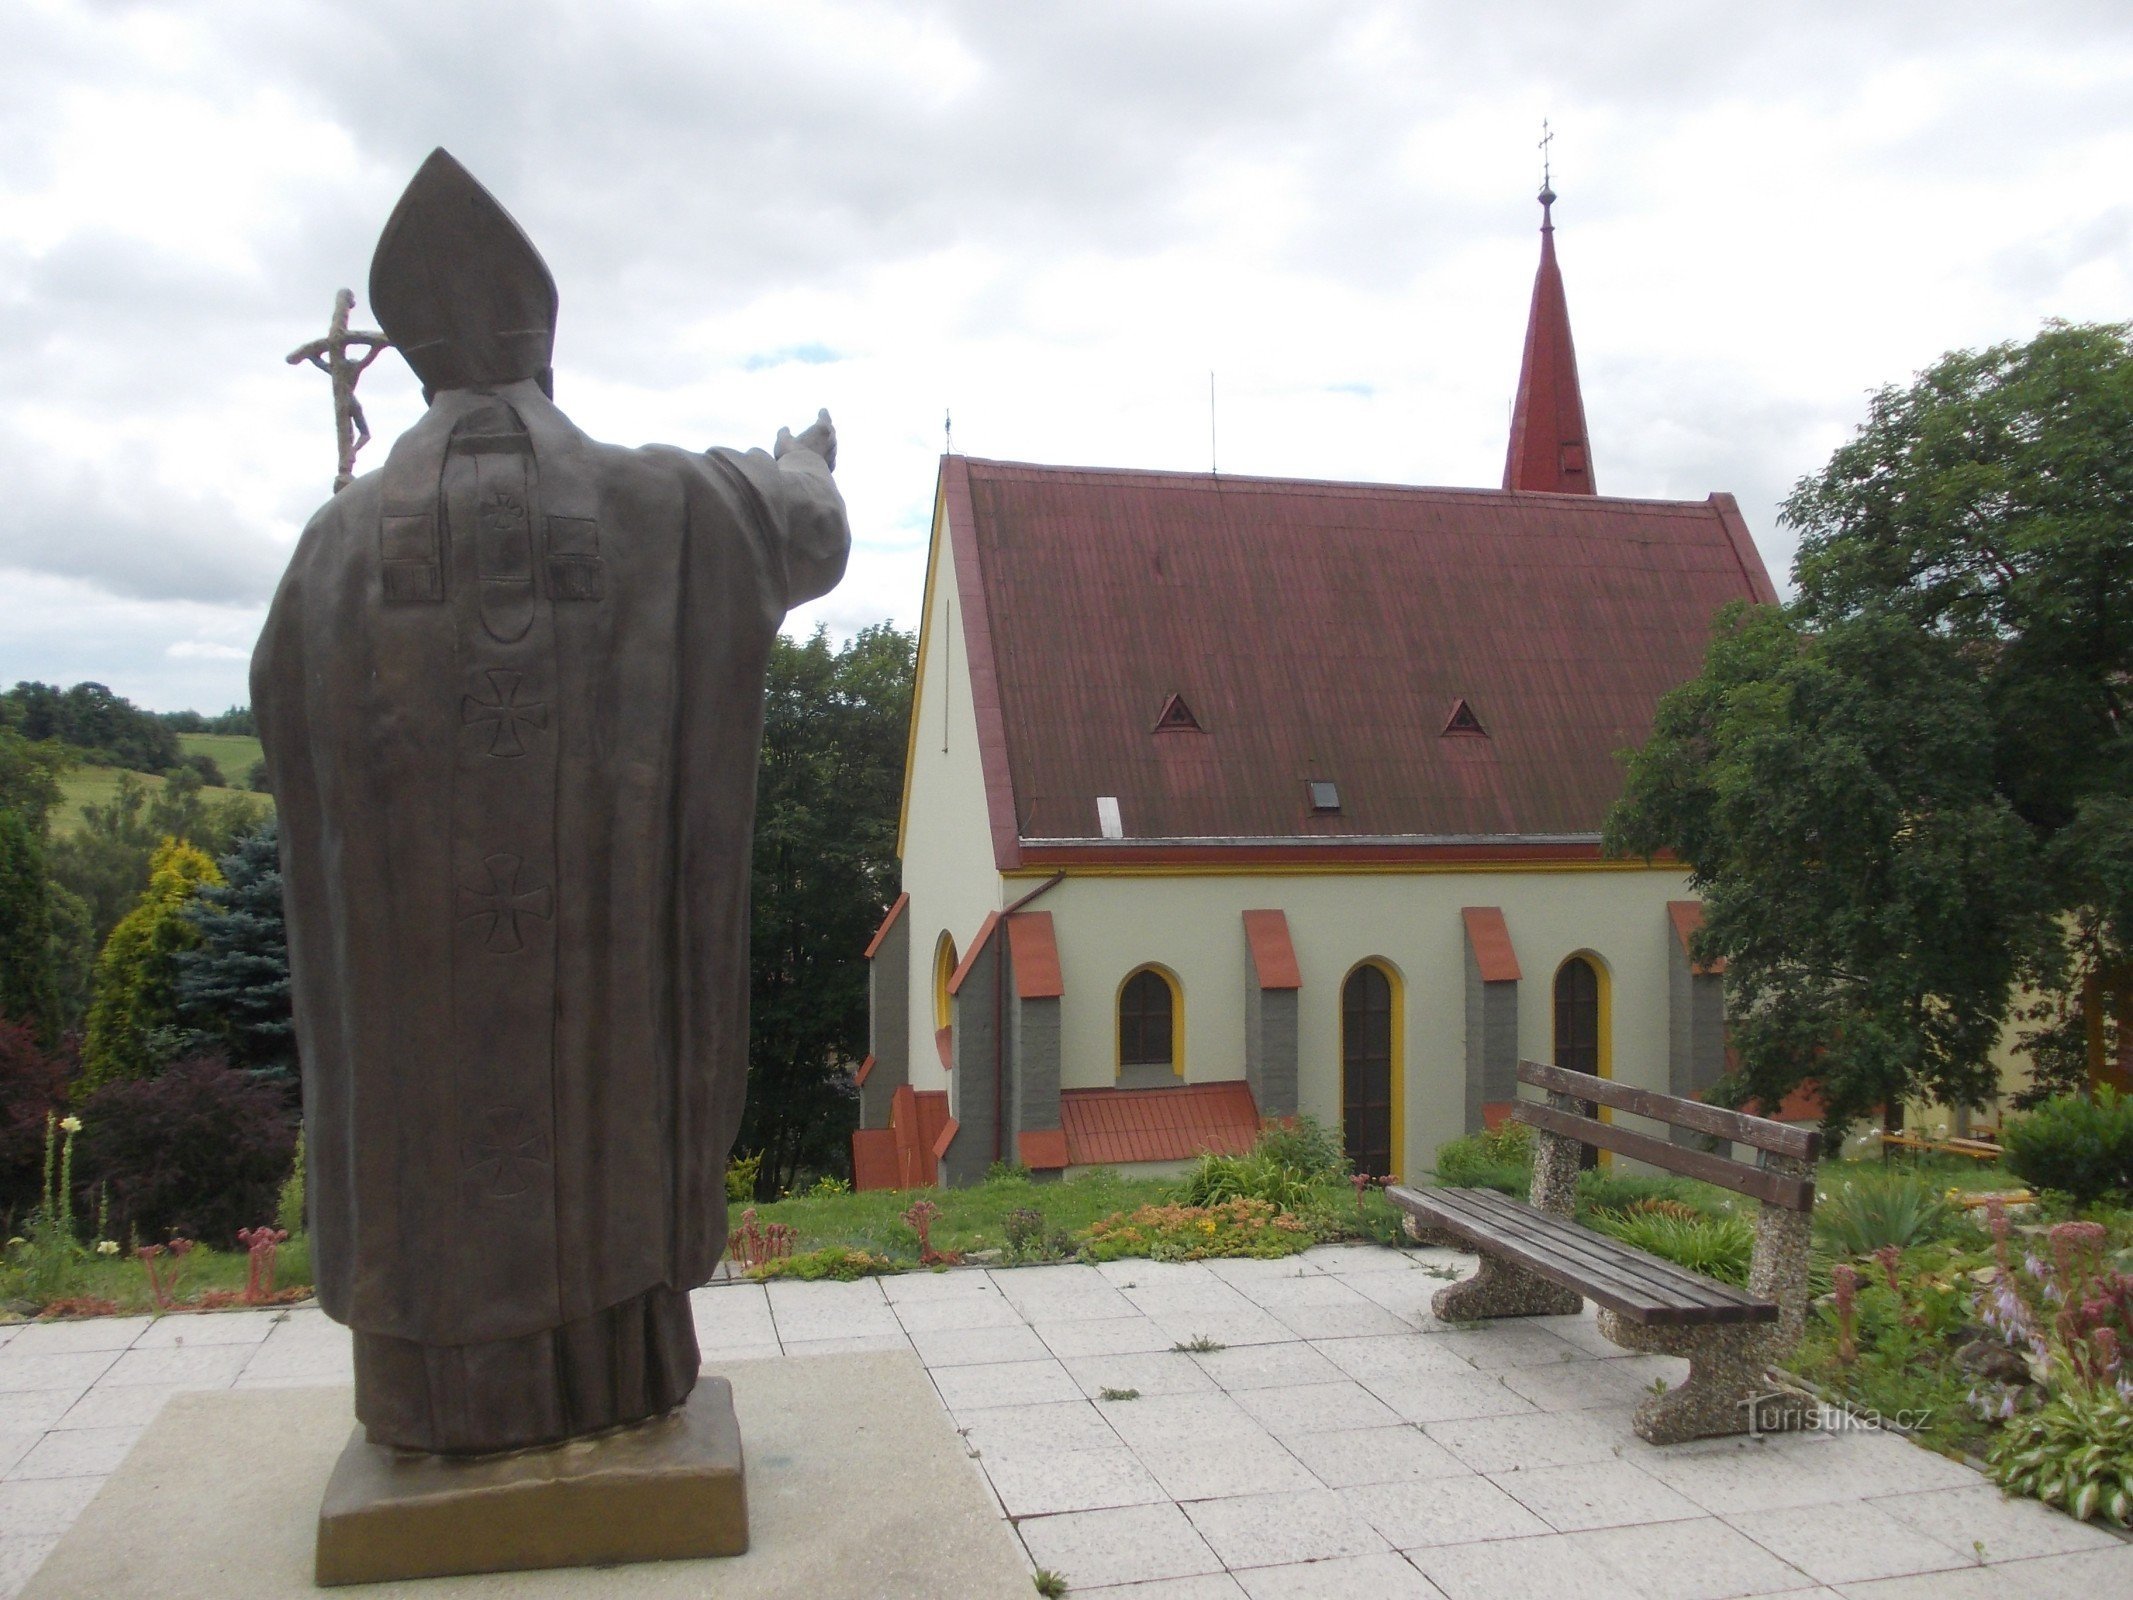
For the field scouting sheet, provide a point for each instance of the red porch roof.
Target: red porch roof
(1109, 1127)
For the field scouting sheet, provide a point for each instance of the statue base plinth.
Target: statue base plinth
(666, 1490)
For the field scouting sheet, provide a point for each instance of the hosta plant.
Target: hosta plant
(2076, 1453)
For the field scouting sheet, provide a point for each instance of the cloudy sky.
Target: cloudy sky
(1052, 219)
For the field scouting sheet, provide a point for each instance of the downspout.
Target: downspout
(999, 1020)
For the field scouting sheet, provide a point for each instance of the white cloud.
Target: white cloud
(1054, 220)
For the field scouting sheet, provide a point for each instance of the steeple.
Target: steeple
(1548, 448)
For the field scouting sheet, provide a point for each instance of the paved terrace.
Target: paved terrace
(1342, 1444)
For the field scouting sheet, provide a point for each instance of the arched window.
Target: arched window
(1151, 1025)
(1370, 1069)
(1577, 1016)
(944, 964)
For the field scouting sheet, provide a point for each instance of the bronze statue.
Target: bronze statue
(511, 690)
(331, 356)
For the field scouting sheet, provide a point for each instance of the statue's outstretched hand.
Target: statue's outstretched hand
(820, 437)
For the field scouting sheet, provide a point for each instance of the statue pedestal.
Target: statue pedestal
(666, 1490)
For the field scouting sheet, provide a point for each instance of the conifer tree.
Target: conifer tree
(135, 1000)
(234, 986)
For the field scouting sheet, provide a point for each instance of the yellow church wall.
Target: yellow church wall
(946, 837)
(1192, 925)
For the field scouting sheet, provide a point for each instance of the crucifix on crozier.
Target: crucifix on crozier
(331, 356)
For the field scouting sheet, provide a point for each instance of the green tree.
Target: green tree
(30, 987)
(107, 728)
(825, 870)
(134, 1012)
(233, 987)
(1906, 793)
(105, 861)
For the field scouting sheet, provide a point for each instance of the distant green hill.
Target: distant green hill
(83, 786)
(234, 753)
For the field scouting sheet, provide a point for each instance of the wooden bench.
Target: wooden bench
(1537, 1261)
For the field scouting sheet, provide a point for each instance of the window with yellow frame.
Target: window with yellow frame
(1151, 1028)
(944, 964)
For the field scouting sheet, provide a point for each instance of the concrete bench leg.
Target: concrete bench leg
(1502, 1290)
(1726, 1379)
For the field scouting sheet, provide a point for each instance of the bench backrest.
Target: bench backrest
(1791, 1190)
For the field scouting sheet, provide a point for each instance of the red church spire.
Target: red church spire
(1548, 448)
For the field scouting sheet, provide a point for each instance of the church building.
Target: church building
(1232, 798)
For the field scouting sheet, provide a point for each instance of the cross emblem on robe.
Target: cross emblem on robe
(503, 902)
(504, 712)
(510, 1158)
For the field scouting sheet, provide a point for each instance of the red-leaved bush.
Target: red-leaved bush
(198, 1149)
(32, 1084)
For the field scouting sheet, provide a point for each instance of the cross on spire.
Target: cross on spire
(1547, 192)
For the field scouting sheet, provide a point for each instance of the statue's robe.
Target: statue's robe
(511, 692)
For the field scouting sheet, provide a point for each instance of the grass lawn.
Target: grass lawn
(975, 1219)
(123, 1282)
(234, 753)
(86, 786)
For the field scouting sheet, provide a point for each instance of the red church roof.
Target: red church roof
(1320, 633)
(1549, 450)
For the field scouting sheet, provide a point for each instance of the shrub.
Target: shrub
(289, 1208)
(33, 1086)
(1873, 1210)
(1213, 1179)
(1499, 1159)
(2074, 1144)
(136, 973)
(199, 1150)
(741, 1173)
(1246, 1226)
(2075, 1453)
(1717, 1247)
(1306, 1147)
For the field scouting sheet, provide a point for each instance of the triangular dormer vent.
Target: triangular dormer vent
(1177, 714)
(1463, 720)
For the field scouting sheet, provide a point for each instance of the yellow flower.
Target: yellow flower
(107, 1247)
(70, 1124)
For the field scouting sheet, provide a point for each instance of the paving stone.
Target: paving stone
(14, 1446)
(2085, 1575)
(1406, 1295)
(1066, 1425)
(1400, 1355)
(2008, 1529)
(1005, 1383)
(1141, 1274)
(214, 1327)
(1384, 1576)
(1865, 1463)
(1510, 1342)
(71, 1370)
(858, 1344)
(735, 1315)
(1583, 1383)
(76, 1453)
(1583, 1331)
(1267, 1366)
(1243, 1326)
(1243, 1464)
(36, 1507)
(1265, 1530)
(1362, 1259)
(1290, 1409)
(1360, 1320)
(71, 1337)
(1741, 1481)
(988, 1310)
(1534, 1439)
(1207, 1586)
(34, 1410)
(1443, 1511)
(1288, 1289)
(1449, 1396)
(970, 1347)
(1130, 1544)
(1161, 1373)
(1239, 1270)
(1171, 1419)
(207, 1366)
(1850, 1543)
(1595, 1494)
(1058, 1277)
(20, 1557)
(1350, 1456)
(1544, 1568)
(308, 1347)
(911, 1288)
(712, 1357)
(1104, 1336)
(1039, 1483)
(1698, 1560)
